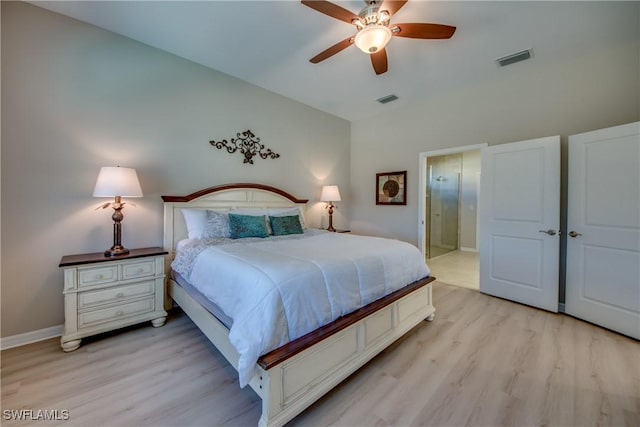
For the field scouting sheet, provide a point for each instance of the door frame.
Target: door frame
(422, 187)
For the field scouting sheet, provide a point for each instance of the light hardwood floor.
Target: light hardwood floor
(457, 268)
(483, 361)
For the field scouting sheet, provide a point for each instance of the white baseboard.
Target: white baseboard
(31, 337)
(463, 249)
(561, 307)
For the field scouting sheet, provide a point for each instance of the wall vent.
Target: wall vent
(386, 99)
(515, 57)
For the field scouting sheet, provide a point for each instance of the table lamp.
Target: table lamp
(330, 193)
(117, 182)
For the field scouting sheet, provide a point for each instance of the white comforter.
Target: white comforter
(278, 290)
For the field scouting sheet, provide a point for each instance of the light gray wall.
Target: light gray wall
(527, 100)
(75, 98)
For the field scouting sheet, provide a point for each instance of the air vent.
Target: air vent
(387, 98)
(515, 57)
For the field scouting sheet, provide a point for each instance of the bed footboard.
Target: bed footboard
(294, 384)
(291, 378)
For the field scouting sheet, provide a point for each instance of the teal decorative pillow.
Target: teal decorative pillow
(247, 226)
(282, 225)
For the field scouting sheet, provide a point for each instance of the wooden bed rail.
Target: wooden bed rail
(289, 350)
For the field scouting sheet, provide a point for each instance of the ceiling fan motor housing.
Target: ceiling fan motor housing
(371, 15)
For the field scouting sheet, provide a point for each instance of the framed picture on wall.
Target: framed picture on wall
(391, 188)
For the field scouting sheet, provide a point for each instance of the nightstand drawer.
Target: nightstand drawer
(97, 275)
(138, 269)
(93, 317)
(111, 295)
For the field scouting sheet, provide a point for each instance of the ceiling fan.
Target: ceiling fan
(374, 29)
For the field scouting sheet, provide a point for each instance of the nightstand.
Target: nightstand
(106, 293)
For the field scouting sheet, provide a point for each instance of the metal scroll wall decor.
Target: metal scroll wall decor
(249, 146)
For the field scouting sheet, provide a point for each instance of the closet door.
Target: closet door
(603, 243)
(519, 220)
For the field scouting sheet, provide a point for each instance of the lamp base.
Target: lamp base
(116, 250)
(330, 227)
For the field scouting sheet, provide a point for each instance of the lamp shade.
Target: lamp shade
(373, 38)
(330, 193)
(116, 181)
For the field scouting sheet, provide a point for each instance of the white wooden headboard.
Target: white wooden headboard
(228, 196)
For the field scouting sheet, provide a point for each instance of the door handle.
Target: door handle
(550, 232)
(574, 234)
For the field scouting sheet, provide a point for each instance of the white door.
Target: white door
(603, 246)
(519, 220)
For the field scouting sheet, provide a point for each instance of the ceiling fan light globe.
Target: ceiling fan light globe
(372, 38)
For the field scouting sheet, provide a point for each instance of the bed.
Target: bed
(292, 376)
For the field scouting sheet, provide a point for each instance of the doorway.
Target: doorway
(442, 204)
(448, 225)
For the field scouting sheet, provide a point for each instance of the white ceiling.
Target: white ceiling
(269, 43)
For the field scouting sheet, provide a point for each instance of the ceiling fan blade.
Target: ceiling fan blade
(424, 31)
(379, 61)
(333, 10)
(392, 6)
(332, 50)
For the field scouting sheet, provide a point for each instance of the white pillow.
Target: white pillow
(201, 225)
(250, 211)
(195, 220)
(289, 212)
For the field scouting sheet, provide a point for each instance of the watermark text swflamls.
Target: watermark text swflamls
(35, 414)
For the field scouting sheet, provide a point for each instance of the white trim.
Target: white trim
(478, 179)
(422, 184)
(30, 337)
(463, 249)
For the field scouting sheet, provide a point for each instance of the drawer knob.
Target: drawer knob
(120, 313)
(140, 270)
(120, 294)
(100, 276)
